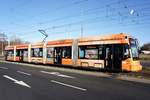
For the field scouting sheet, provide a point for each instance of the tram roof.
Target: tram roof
(106, 37)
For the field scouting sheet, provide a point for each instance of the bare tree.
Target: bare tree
(13, 41)
(17, 41)
(3, 43)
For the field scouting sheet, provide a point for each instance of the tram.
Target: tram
(118, 52)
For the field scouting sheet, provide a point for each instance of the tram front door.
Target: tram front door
(113, 57)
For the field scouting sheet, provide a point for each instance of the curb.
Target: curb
(133, 79)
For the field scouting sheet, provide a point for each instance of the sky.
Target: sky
(62, 19)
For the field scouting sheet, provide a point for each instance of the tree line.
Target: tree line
(146, 47)
(12, 41)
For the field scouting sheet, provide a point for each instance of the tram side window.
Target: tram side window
(82, 52)
(10, 53)
(50, 52)
(126, 53)
(88, 52)
(18, 53)
(101, 52)
(25, 53)
(91, 53)
(37, 52)
(66, 52)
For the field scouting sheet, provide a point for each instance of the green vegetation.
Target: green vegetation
(144, 57)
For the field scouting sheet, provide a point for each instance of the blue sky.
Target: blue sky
(63, 19)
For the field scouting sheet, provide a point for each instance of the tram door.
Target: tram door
(57, 55)
(25, 55)
(21, 55)
(113, 56)
(117, 56)
(108, 57)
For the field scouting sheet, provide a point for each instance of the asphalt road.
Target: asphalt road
(25, 83)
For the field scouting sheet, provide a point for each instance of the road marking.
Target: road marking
(16, 81)
(3, 68)
(75, 87)
(23, 73)
(57, 74)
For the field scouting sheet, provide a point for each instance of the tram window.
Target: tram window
(10, 53)
(126, 51)
(81, 52)
(66, 52)
(50, 52)
(25, 53)
(17, 53)
(91, 53)
(40, 52)
(134, 49)
(88, 52)
(37, 52)
(101, 53)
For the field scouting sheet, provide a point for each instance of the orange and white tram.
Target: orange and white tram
(111, 52)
